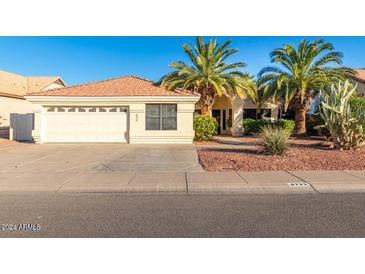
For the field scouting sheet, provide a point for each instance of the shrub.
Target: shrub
(286, 124)
(205, 127)
(274, 140)
(357, 102)
(252, 126)
(357, 106)
(342, 119)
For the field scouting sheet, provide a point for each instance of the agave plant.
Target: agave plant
(274, 140)
(344, 124)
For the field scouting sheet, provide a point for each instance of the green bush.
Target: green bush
(252, 126)
(286, 124)
(205, 127)
(357, 106)
(274, 140)
(357, 102)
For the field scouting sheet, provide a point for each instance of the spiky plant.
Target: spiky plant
(344, 124)
(208, 73)
(310, 66)
(274, 140)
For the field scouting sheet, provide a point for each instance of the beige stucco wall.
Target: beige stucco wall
(183, 134)
(12, 105)
(136, 117)
(361, 88)
(224, 103)
(54, 85)
(16, 118)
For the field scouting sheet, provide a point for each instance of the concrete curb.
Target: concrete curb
(232, 182)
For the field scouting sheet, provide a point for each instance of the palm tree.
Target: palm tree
(310, 67)
(207, 73)
(261, 95)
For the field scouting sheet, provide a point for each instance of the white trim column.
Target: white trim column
(37, 123)
(237, 112)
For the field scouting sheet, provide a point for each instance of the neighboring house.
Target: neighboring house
(16, 118)
(359, 80)
(237, 109)
(126, 109)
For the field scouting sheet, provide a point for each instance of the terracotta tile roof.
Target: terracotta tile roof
(15, 85)
(121, 86)
(360, 75)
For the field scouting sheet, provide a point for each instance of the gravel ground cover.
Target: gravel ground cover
(304, 154)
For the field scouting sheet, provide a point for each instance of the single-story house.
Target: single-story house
(359, 80)
(16, 117)
(236, 109)
(126, 109)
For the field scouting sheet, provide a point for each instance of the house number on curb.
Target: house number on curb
(298, 184)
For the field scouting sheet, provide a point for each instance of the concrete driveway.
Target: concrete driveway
(54, 167)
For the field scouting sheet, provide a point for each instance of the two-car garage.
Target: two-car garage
(85, 124)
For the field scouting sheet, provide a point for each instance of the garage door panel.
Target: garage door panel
(85, 127)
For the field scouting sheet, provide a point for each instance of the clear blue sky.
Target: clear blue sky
(83, 59)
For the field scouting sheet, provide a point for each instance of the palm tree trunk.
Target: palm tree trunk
(300, 123)
(300, 108)
(206, 110)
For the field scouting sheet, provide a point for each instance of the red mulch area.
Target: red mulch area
(6, 141)
(6, 145)
(303, 154)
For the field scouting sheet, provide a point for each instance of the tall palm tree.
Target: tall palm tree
(207, 73)
(311, 66)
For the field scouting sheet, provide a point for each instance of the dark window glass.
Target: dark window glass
(249, 113)
(153, 123)
(168, 110)
(168, 123)
(153, 117)
(153, 110)
(169, 117)
(161, 117)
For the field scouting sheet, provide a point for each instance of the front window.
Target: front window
(161, 117)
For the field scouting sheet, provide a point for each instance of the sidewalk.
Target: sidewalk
(280, 182)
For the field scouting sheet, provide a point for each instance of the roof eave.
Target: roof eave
(112, 99)
(358, 79)
(9, 95)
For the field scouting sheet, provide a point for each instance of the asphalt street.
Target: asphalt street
(137, 215)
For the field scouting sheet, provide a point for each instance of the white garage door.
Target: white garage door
(85, 124)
